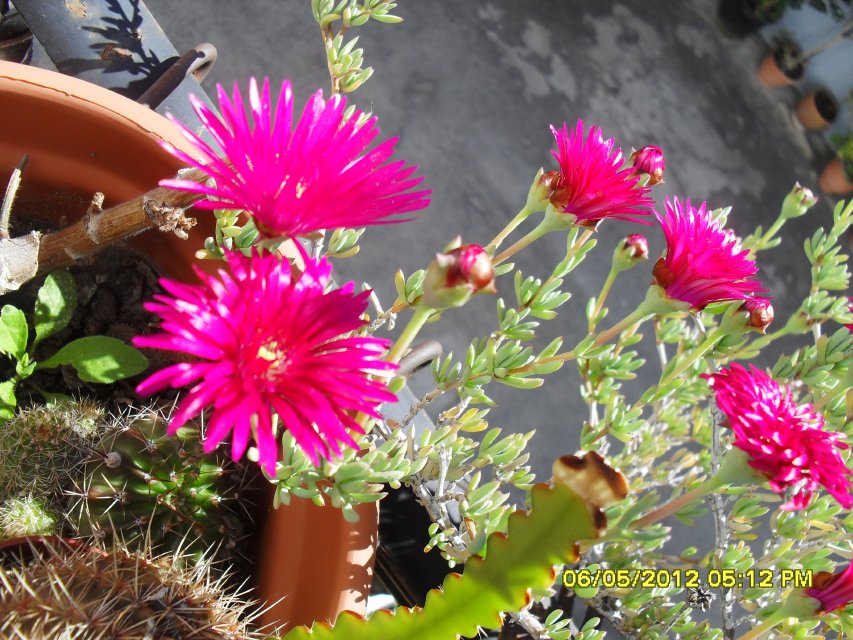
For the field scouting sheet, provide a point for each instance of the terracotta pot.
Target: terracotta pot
(833, 179)
(817, 110)
(771, 74)
(81, 139)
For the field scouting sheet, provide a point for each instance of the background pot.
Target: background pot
(833, 179)
(81, 139)
(817, 110)
(778, 70)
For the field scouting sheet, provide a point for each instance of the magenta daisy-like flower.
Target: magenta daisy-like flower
(785, 442)
(704, 262)
(832, 590)
(268, 341)
(318, 174)
(591, 183)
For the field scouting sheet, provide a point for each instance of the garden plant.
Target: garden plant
(270, 359)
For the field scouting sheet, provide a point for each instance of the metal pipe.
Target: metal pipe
(116, 44)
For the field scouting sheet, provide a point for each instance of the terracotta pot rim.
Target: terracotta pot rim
(94, 99)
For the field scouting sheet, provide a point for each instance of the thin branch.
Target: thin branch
(9, 198)
(159, 208)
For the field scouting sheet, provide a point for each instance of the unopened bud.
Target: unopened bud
(760, 313)
(453, 277)
(797, 202)
(650, 161)
(631, 251)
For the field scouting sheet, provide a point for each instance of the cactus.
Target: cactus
(25, 516)
(561, 515)
(74, 590)
(41, 446)
(139, 481)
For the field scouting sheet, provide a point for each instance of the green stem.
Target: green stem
(540, 230)
(404, 341)
(677, 504)
(767, 625)
(602, 296)
(640, 314)
(710, 342)
(517, 220)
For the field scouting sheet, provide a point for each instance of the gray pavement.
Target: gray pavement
(471, 88)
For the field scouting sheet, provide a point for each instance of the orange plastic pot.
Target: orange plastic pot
(82, 138)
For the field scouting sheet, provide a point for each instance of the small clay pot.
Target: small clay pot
(834, 179)
(817, 110)
(777, 70)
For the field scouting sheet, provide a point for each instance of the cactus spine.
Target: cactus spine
(79, 591)
(140, 481)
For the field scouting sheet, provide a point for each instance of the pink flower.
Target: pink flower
(269, 342)
(591, 185)
(318, 175)
(832, 590)
(703, 262)
(786, 442)
(649, 160)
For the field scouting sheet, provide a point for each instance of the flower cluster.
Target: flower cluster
(318, 175)
(785, 442)
(269, 341)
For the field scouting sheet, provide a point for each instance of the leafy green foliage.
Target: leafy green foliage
(98, 359)
(522, 559)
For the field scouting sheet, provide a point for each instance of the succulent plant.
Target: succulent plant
(42, 446)
(59, 590)
(138, 481)
(25, 516)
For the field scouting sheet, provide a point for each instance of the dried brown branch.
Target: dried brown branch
(159, 208)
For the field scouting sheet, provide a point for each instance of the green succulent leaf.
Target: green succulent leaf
(520, 560)
(55, 304)
(13, 332)
(99, 359)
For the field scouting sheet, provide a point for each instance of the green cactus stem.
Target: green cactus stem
(138, 481)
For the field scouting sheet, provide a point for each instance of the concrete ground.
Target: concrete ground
(471, 89)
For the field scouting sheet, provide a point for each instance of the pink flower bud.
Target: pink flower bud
(472, 265)
(760, 313)
(649, 160)
(638, 246)
(453, 277)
